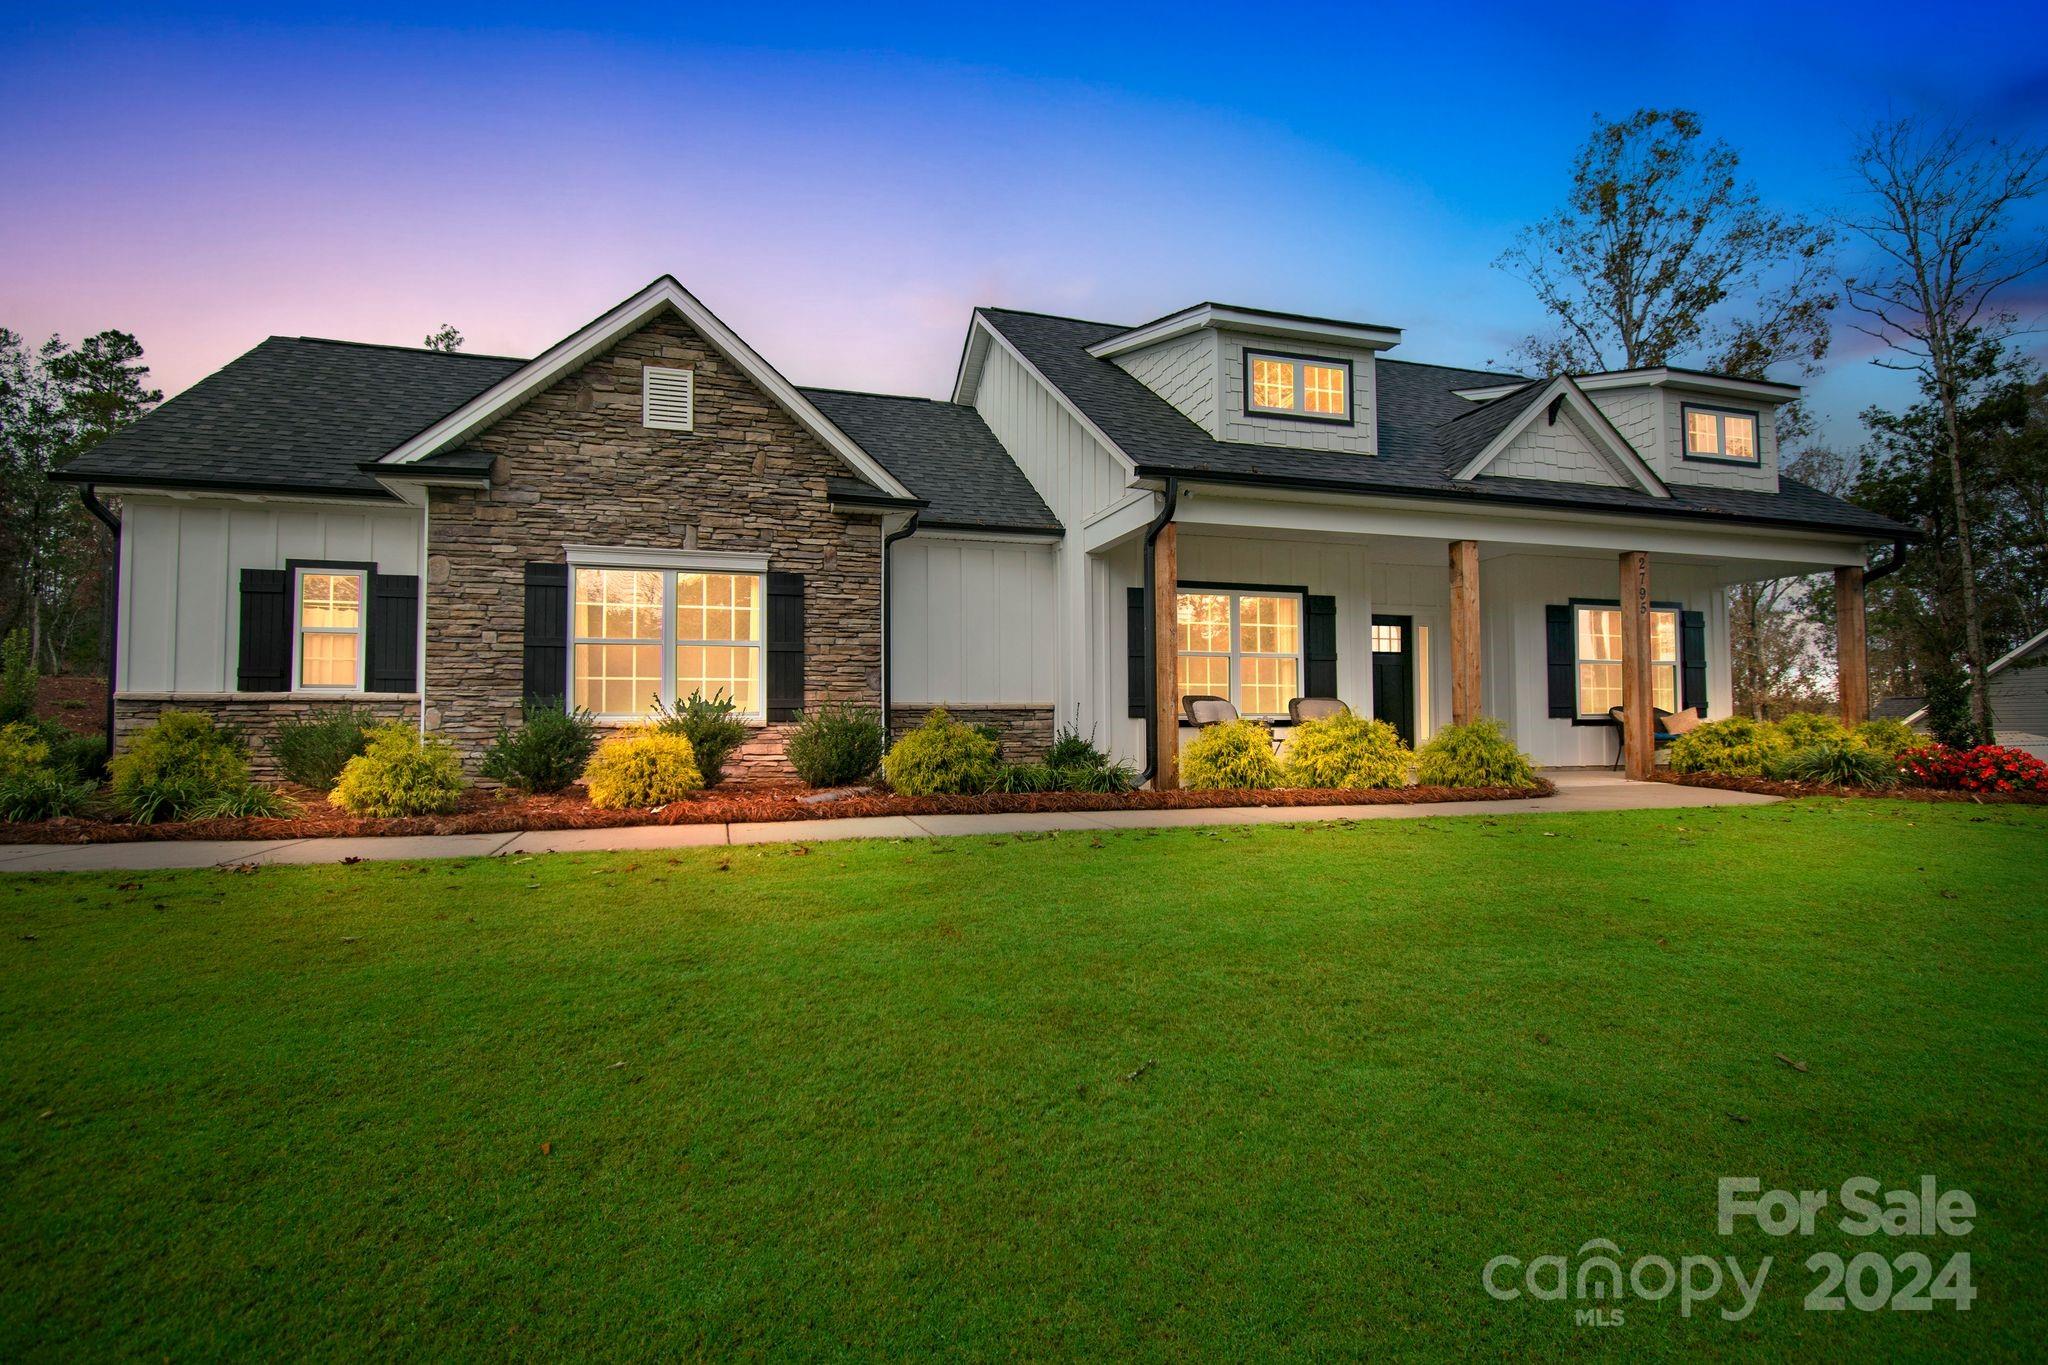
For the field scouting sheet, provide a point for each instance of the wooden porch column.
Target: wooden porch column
(1639, 722)
(1852, 652)
(1464, 631)
(1165, 658)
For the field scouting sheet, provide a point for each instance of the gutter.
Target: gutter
(1892, 566)
(106, 517)
(1159, 523)
(889, 539)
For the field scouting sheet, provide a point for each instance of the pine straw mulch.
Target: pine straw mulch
(491, 812)
(1764, 786)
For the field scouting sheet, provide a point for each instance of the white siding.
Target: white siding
(1183, 372)
(1762, 478)
(1634, 413)
(2019, 704)
(1561, 452)
(181, 571)
(972, 620)
(1361, 437)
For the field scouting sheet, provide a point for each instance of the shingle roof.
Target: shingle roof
(1414, 402)
(944, 453)
(295, 413)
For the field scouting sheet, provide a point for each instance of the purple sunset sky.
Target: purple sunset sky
(842, 188)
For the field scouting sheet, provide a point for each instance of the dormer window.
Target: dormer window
(1726, 434)
(1297, 386)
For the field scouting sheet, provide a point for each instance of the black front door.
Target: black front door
(1393, 673)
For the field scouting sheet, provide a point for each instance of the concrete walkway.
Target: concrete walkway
(1578, 789)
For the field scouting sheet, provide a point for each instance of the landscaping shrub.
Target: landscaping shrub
(1476, 754)
(1984, 768)
(82, 758)
(41, 794)
(1078, 766)
(709, 725)
(641, 768)
(1735, 747)
(1347, 751)
(246, 802)
(1026, 777)
(1949, 718)
(400, 773)
(1236, 754)
(548, 750)
(941, 757)
(1888, 737)
(1837, 762)
(836, 746)
(17, 677)
(22, 749)
(1802, 728)
(175, 764)
(313, 752)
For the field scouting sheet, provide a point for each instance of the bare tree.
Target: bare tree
(1935, 211)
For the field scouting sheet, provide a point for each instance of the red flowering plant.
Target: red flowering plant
(1986, 768)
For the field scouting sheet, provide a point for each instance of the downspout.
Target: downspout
(889, 540)
(107, 518)
(1151, 634)
(419, 665)
(1897, 560)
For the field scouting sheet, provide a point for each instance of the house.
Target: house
(2019, 699)
(1102, 518)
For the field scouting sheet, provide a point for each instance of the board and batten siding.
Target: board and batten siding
(972, 621)
(181, 572)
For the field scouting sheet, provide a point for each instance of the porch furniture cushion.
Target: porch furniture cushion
(1203, 710)
(1315, 708)
(1669, 726)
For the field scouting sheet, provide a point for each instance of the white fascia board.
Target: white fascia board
(1487, 395)
(2014, 654)
(1114, 525)
(973, 351)
(412, 489)
(1046, 540)
(1251, 320)
(1066, 404)
(1304, 514)
(1664, 377)
(572, 351)
(703, 561)
(1593, 422)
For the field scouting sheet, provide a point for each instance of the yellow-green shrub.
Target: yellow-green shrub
(1346, 751)
(1803, 728)
(941, 757)
(639, 768)
(22, 750)
(399, 773)
(1236, 754)
(1475, 754)
(1888, 737)
(1735, 746)
(181, 762)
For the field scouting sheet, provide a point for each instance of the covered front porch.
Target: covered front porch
(1426, 617)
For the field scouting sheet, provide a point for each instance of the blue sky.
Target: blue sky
(843, 186)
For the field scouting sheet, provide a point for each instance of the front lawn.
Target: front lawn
(1213, 1092)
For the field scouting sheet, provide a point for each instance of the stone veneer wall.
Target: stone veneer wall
(255, 714)
(574, 466)
(1024, 732)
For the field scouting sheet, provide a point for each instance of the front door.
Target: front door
(1393, 673)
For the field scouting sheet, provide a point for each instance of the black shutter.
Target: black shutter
(1692, 657)
(1140, 680)
(1557, 631)
(266, 659)
(785, 646)
(394, 633)
(1320, 657)
(547, 633)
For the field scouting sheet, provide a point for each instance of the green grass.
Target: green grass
(1228, 1092)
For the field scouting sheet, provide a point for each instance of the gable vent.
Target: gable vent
(667, 398)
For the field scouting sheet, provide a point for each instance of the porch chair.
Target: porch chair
(1669, 726)
(1203, 710)
(1315, 708)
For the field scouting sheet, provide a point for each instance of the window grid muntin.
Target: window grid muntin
(1308, 387)
(302, 633)
(1597, 675)
(1700, 423)
(1268, 676)
(667, 643)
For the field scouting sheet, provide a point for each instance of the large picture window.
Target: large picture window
(1241, 644)
(645, 634)
(1598, 632)
(327, 655)
(1297, 386)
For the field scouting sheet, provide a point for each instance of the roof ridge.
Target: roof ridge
(1056, 317)
(415, 350)
(872, 393)
(1505, 376)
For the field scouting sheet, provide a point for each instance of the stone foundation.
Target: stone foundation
(1023, 732)
(254, 714)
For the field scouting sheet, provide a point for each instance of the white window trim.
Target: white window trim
(687, 561)
(1237, 655)
(1676, 663)
(300, 629)
(669, 565)
(1720, 455)
(1300, 411)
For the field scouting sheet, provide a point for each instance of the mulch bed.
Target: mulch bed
(1764, 786)
(77, 704)
(490, 812)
